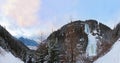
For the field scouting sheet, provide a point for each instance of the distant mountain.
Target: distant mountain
(28, 42)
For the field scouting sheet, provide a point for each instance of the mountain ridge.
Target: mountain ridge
(78, 41)
(71, 41)
(28, 42)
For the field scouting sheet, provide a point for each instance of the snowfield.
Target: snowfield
(32, 47)
(113, 56)
(7, 57)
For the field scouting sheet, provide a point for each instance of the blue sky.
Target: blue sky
(41, 16)
(102, 10)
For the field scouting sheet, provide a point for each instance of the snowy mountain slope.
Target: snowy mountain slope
(13, 45)
(7, 57)
(113, 56)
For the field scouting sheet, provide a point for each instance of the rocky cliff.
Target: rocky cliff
(77, 42)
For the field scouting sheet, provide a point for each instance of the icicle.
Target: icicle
(91, 48)
(87, 29)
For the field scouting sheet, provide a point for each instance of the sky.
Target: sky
(30, 18)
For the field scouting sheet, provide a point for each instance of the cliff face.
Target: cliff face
(78, 41)
(13, 45)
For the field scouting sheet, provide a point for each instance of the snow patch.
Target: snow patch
(32, 47)
(113, 56)
(94, 31)
(7, 57)
(82, 39)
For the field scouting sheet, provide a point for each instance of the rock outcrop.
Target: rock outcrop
(73, 43)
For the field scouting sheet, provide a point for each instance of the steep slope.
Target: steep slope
(13, 45)
(7, 57)
(113, 56)
(76, 42)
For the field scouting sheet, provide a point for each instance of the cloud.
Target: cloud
(23, 12)
(19, 17)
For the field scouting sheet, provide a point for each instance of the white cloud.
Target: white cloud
(19, 17)
(23, 12)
